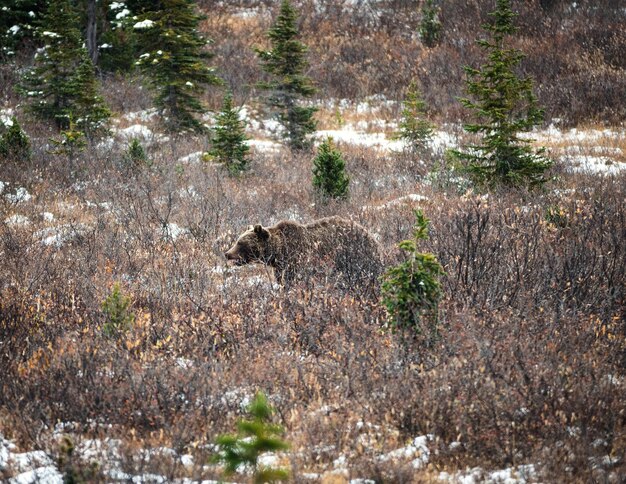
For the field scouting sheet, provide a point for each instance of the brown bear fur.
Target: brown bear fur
(298, 251)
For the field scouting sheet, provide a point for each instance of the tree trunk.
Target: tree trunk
(92, 47)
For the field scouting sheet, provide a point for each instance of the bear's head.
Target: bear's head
(251, 246)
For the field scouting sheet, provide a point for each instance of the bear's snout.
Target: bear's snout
(231, 255)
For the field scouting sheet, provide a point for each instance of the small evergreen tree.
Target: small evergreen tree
(505, 106)
(329, 176)
(229, 139)
(255, 437)
(92, 114)
(14, 142)
(411, 290)
(71, 143)
(63, 79)
(116, 309)
(415, 130)
(430, 27)
(135, 155)
(286, 63)
(174, 61)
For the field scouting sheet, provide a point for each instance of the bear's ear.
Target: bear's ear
(261, 232)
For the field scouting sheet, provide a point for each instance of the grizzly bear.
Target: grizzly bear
(331, 246)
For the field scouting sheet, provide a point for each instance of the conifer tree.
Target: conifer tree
(505, 106)
(17, 24)
(415, 130)
(329, 176)
(430, 26)
(14, 142)
(88, 107)
(173, 60)
(62, 83)
(255, 436)
(229, 139)
(286, 63)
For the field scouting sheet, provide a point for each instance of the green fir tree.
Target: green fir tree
(14, 142)
(411, 290)
(173, 61)
(505, 106)
(17, 24)
(62, 83)
(286, 64)
(414, 129)
(430, 27)
(88, 107)
(229, 139)
(255, 437)
(329, 175)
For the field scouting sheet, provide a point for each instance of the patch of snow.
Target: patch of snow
(21, 195)
(148, 479)
(416, 448)
(184, 363)
(57, 236)
(186, 460)
(14, 30)
(595, 164)
(2, 185)
(122, 14)
(47, 475)
(136, 131)
(264, 145)
(195, 157)
(272, 126)
(268, 460)
(144, 24)
(352, 136)
(50, 34)
(511, 475)
(173, 231)
(412, 197)
(29, 460)
(17, 219)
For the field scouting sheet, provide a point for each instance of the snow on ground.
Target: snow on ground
(594, 164)
(511, 475)
(265, 146)
(417, 451)
(17, 220)
(57, 236)
(20, 195)
(136, 131)
(410, 198)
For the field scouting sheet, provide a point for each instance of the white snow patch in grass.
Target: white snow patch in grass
(264, 145)
(268, 460)
(412, 197)
(136, 131)
(144, 115)
(149, 479)
(518, 475)
(29, 460)
(14, 29)
(20, 195)
(173, 231)
(594, 164)
(17, 219)
(352, 136)
(195, 157)
(47, 475)
(416, 450)
(57, 236)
